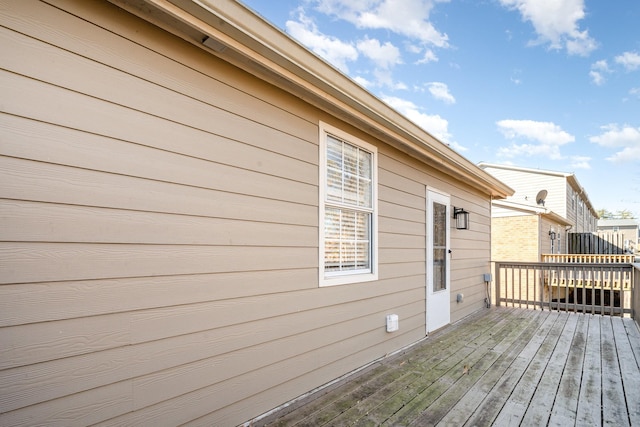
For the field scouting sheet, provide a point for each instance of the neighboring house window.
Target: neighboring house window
(348, 208)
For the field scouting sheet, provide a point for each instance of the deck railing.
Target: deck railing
(635, 295)
(589, 258)
(603, 288)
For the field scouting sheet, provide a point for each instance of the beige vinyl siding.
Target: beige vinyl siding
(470, 248)
(528, 184)
(159, 241)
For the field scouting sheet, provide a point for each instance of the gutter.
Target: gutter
(245, 39)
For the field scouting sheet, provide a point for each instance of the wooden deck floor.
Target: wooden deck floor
(504, 367)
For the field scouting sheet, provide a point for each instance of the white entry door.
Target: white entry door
(438, 269)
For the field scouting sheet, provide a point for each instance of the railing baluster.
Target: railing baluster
(596, 288)
(602, 290)
(567, 281)
(520, 287)
(593, 283)
(513, 298)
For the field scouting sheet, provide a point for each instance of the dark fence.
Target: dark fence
(595, 243)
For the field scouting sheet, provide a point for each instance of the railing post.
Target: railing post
(497, 283)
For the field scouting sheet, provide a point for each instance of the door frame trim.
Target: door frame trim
(429, 247)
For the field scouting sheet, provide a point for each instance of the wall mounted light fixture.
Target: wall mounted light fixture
(552, 234)
(462, 218)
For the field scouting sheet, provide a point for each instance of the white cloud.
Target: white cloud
(434, 124)
(629, 60)
(635, 91)
(556, 23)
(384, 55)
(332, 49)
(409, 18)
(548, 138)
(626, 137)
(601, 65)
(598, 69)
(580, 162)
(596, 77)
(429, 56)
(385, 78)
(441, 92)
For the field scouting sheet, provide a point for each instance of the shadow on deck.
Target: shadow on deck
(503, 367)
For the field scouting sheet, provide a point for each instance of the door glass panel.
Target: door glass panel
(439, 247)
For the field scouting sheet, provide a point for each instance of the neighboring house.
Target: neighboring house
(201, 220)
(524, 232)
(535, 220)
(627, 228)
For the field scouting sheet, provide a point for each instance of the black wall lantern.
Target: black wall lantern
(552, 234)
(462, 218)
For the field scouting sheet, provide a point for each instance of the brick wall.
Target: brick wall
(515, 238)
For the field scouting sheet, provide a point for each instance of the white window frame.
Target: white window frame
(356, 276)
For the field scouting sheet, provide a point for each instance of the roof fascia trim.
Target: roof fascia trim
(260, 42)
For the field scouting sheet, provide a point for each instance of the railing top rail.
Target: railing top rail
(596, 258)
(587, 265)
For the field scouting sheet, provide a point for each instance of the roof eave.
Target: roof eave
(248, 40)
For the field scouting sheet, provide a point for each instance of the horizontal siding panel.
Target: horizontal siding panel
(80, 409)
(392, 210)
(168, 143)
(393, 180)
(95, 43)
(43, 302)
(190, 406)
(466, 254)
(391, 240)
(46, 222)
(401, 198)
(39, 262)
(40, 342)
(411, 170)
(136, 160)
(171, 383)
(400, 226)
(406, 269)
(27, 180)
(44, 381)
(154, 324)
(158, 355)
(28, 385)
(413, 330)
(400, 255)
(471, 271)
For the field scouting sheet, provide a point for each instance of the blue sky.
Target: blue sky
(549, 84)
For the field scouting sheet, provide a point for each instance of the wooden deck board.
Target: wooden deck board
(565, 406)
(614, 410)
(469, 403)
(541, 404)
(491, 407)
(629, 366)
(479, 359)
(589, 401)
(500, 367)
(395, 375)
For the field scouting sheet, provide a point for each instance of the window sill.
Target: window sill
(347, 279)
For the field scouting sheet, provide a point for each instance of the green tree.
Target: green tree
(624, 214)
(604, 214)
